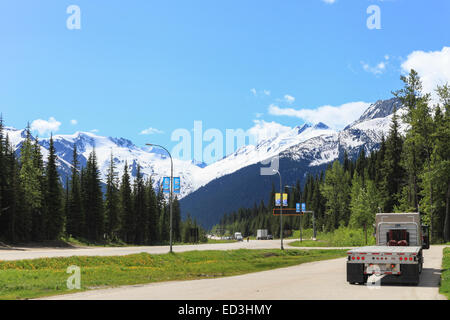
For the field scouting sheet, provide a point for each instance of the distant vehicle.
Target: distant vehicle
(238, 236)
(261, 234)
(400, 239)
(269, 237)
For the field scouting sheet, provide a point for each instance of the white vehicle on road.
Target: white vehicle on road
(261, 234)
(238, 236)
(400, 238)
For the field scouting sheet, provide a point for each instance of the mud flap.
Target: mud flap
(355, 272)
(409, 273)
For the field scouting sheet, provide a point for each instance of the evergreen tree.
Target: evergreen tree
(392, 172)
(336, 192)
(417, 146)
(140, 208)
(75, 217)
(153, 218)
(30, 179)
(112, 202)
(436, 175)
(94, 209)
(53, 197)
(176, 220)
(126, 208)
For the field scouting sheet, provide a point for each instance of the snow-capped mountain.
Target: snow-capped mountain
(366, 132)
(154, 163)
(302, 150)
(312, 144)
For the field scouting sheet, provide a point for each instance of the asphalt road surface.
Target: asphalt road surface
(33, 253)
(315, 280)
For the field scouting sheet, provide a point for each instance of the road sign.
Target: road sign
(297, 207)
(278, 199)
(166, 184)
(176, 185)
(286, 212)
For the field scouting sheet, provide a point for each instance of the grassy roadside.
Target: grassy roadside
(26, 279)
(78, 242)
(342, 237)
(445, 276)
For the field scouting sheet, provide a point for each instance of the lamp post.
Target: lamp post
(281, 209)
(171, 187)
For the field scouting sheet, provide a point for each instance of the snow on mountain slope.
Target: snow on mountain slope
(366, 132)
(251, 154)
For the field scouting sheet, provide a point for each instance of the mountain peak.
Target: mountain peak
(302, 128)
(379, 109)
(321, 125)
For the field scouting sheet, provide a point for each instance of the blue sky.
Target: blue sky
(136, 65)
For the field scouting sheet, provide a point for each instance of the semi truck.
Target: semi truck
(400, 240)
(261, 234)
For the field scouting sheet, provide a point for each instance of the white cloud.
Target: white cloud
(151, 131)
(263, 130)
(73, 122)
(258, 114)
(94, 130)
(44, 127)
(379, 68)
(289, 99)
(260, 92)
(329, 1)
(433, 68)
(336, 117)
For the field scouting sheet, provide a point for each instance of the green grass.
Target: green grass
(85, 243)
(445, 276)
(44, 277)
(342, 237)
(220, 241)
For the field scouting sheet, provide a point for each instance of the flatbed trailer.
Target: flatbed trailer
(404, 261)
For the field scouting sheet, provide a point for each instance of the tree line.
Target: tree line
(34, 206)
(408, 173)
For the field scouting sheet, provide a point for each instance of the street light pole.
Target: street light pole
(171, 188)
(281, 209)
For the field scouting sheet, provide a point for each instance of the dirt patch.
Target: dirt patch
(270, 254)
(57, 244)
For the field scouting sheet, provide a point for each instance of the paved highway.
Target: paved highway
(315, 280)
(32, 253)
